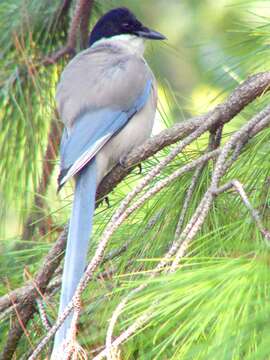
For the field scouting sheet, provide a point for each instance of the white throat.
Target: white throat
(132, 43)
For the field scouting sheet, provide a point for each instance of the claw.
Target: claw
(122, 161)
(107, 201)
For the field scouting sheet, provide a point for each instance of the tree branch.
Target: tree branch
(84, 26)
(239, 188)
(242, 96)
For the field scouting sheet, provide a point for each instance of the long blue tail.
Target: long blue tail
(77, 244)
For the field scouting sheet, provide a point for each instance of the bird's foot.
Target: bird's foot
(122, 161)
(140, 168)
(107, 201)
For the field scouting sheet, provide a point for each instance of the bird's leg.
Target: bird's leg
(122, 161)
(107, 201)
(101, 201)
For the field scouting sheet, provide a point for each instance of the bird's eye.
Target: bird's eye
(125, 25)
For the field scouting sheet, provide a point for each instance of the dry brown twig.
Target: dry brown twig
(43, 316)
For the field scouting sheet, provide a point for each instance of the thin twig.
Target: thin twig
(139, 323)
(187, 199)
(221, 167)
(43, 316)
(114, 318)
(214, 143)
(243, 195)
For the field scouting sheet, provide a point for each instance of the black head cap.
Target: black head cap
(121, 21)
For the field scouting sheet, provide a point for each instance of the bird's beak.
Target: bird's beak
(150, 34)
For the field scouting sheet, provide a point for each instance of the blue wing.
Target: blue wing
(90, 133)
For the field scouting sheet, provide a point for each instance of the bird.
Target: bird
(107, 100)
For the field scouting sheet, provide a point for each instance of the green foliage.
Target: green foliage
(26, 93)
(216, 305)
(211, 308)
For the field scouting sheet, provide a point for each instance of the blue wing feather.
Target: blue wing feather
(91, 127)
(87, 130)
